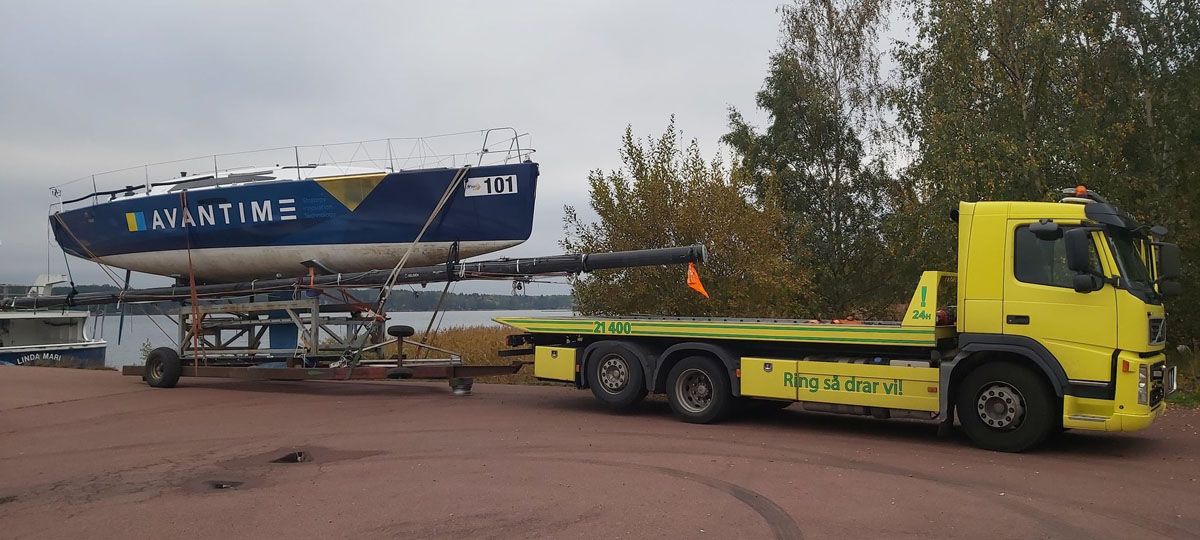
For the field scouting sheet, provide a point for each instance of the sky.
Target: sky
(93, 86)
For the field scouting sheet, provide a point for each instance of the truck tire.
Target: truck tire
(698, 390)
(615, 376)
(1006, 407)
(163, 368)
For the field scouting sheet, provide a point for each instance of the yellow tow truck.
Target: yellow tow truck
(1054, 320)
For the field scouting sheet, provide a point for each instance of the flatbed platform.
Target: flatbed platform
(783, 330)
(919, 329)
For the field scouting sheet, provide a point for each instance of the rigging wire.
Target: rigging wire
(390, 282)
(90, 256)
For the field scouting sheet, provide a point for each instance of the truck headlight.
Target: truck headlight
(1144, 385)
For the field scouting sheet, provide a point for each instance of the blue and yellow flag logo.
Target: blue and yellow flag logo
(136, 221)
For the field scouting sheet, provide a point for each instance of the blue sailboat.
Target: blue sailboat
(277, 221)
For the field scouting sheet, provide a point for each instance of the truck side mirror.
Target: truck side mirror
(1086, 283)
(1078, 241)
(1170, 288)
(1168, 261)
(1046, 230)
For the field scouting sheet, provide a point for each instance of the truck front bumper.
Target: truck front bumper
(1131, 410)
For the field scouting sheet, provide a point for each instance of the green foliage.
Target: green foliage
(1186, 398)
(991, 101)
(1012, 100)
(823, 96)
(666, 195)
(144, 350)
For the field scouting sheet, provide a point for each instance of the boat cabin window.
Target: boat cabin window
(18, 332)
(207, 181)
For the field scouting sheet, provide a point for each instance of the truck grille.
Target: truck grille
(1158, 331)
(1158, 374)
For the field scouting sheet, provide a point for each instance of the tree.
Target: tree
(666, 195)
(1011, 100)
(823, 95)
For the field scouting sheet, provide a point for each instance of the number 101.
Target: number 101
(501, 184)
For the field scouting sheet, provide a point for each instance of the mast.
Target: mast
(495, 269)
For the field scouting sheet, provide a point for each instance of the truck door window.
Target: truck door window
(1044, 262)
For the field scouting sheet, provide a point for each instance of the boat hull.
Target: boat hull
(88, 355)
(233, 264)
(267, 229)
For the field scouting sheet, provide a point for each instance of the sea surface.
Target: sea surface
(161, 332)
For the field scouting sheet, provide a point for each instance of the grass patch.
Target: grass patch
(479, 345)
(1186, 398)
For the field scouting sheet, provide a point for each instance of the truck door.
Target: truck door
(1079, 329)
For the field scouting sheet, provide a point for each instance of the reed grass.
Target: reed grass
(479, 345)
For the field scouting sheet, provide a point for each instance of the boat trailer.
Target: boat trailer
(298, 330)
(297, 340)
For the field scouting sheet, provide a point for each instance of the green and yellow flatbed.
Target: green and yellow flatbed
(775, 330)
(919, 329)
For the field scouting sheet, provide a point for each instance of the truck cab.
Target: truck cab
(1075, 289)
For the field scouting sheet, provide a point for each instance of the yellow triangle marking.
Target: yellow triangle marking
(351, 190)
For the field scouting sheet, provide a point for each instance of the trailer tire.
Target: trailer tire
(163, 368)
(615, 376)
(1006, 407)
(698, 390)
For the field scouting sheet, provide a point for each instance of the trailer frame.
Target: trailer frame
(209, 346)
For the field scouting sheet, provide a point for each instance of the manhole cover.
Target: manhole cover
(293, 457)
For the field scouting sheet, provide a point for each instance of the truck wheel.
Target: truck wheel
(615, 376)
(1006, 407)
(163, 368)
(698, 390)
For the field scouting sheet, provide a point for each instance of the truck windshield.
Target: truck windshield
(1129, 257)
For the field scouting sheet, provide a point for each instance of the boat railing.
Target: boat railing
(500, 145)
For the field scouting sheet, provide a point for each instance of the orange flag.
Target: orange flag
(693, 280)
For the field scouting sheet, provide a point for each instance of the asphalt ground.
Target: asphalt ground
(92, 454)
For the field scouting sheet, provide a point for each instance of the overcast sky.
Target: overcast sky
(93, 86)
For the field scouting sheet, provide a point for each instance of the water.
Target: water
(141, 328)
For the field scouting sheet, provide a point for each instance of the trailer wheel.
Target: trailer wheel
(163, 368)
(698, 390)
(615, 376)
(1006, 407)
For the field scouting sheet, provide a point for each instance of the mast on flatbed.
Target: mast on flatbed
(496, 269)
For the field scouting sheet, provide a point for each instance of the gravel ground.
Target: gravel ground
(93, 454)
